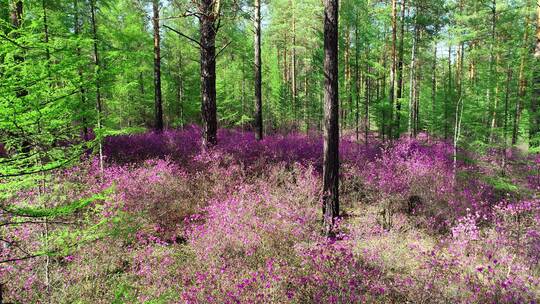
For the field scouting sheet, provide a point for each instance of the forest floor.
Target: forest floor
(241, 223)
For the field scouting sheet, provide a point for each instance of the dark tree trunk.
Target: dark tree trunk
(46, 33)
(331, 111)
(158, 123)
(180, 91)
(293, 68)
(505, 125)
(208, 72)
(383, 93)
(357, 77)
(258, 74)
(16, 18)
(16, 14)
(366, 106)
(433, 90)
(399, 93)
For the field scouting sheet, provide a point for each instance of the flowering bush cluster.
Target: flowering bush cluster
(240, 223)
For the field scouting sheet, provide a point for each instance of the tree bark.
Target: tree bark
(366, 103)
(331, 119)
(357, 76)
(458, 113)
(392, 88)
(412, 90)
(399, 94)
(383, 92)
(505, 125)
(449, 93)
(158, 111)
(258, 74)
(492, 98)
(99, 106)
(16, 14)
(433, 89)
(293, 63)
(208, 32)
(346, 78)
(180, 91)
(16, 18)
(82, 91)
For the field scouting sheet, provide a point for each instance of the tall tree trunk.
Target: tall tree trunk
(383, 92)
(400, 67)
(495, 110)
(306, 103)
(293, 63)
(347, 75)
(492, 98)
(16, 18)
(77, 29)
(99, 106)
(505, 126)
(285, 65)
(458, 113)
(535, 102)
(208, 72)
(46, 33)
(366, 103)
(433, 89)
(158, 123)
(412, 80)
(180, 90)
(331, 119)
(449, 93)
(392, 88)
(258, 74)
(357, 76)
(82, 91)
(417, 82)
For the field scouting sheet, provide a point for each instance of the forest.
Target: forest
(269, 151)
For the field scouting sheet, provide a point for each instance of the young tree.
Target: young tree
(331, 112)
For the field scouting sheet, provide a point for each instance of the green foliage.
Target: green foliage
(53, 212)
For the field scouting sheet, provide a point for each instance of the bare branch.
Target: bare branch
(185, 36)
(222, 49)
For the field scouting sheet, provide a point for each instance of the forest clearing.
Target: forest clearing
(275, 151)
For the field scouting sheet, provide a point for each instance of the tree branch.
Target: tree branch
(13, 42)
(185, 36)
(222, 49)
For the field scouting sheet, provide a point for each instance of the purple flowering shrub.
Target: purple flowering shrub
(240, 223)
